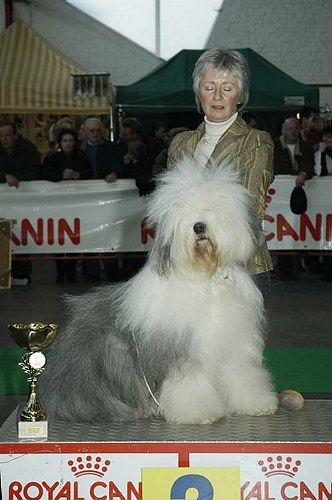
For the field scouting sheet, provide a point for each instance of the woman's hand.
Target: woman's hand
(300, 179)
(12, 181)
(111, 177)
(68, 174)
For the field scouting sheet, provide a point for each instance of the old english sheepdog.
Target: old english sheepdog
(183, 339)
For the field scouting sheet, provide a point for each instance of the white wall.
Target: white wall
(84, 41)
(294, 35)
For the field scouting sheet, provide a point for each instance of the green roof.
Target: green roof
(169, 87)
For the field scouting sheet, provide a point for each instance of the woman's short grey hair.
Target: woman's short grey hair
(222, 60)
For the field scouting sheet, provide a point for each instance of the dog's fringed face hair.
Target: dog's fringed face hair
(204, 220)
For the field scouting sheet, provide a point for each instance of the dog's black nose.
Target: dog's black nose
(199, 227)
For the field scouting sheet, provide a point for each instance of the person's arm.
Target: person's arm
(50, 172)
(306, 163)
(278, 158)
(84, 166)
(259, 171)
(108, 160)
(7, 177)
(116, 166)
(300, 179)
(2, 173)
(318, 158)
(32, 167)
(160, 164)
(176, 149)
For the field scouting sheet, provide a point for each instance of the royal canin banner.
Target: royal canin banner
(96, 217)
(153, 471)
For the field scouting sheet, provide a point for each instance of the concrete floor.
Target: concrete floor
(299, 311)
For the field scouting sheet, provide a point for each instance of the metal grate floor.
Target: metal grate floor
(311, 424)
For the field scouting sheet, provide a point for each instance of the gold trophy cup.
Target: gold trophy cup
(33, 338)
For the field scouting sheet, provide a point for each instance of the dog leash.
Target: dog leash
(142, 371)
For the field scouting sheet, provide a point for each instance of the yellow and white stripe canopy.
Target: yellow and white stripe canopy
(35, 79)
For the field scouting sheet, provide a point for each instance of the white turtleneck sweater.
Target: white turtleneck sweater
(213, 132)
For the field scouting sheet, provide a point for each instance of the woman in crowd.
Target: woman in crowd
(68, 162)
(221, 86)
(160, 163)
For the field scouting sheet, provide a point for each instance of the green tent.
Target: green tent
(169, 87)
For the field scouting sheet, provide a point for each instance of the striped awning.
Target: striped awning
(36, 79)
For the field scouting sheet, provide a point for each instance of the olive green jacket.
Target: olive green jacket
(248, 150)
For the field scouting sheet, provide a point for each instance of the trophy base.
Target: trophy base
(32, 430)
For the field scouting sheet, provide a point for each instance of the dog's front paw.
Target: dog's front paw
(190, 399)
(191, 419)
(261, 405)
(268, 409)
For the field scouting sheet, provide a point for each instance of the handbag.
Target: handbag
(298, 201)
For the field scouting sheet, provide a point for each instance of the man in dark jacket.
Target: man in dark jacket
(19, 158)
(104, 155)
(19, 161)
(106, 164)
(292, 155)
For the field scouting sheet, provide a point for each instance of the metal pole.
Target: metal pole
(8, 12)
(157, 28)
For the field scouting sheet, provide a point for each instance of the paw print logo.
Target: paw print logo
(279, 465)
(88, 465)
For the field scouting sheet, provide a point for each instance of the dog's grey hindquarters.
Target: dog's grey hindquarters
(91, 374)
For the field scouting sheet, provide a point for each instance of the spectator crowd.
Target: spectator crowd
(303, 149)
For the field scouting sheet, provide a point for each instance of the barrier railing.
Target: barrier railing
(93, 217)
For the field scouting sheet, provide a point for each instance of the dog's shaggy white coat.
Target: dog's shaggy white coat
(188, 327)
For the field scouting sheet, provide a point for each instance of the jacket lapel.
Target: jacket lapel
(225, 147)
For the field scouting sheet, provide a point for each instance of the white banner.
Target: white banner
(310, 231)
(73, 217)
(96, 217)
(276, 476)
(77, 476)
(285, 475)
